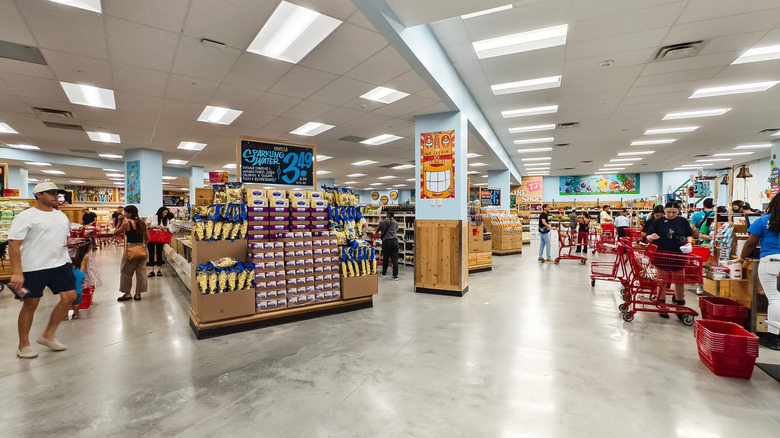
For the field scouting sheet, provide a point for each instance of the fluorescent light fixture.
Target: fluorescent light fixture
(377, 184)
(112, 170)
(77, 181)
(32, 180)
(626, 154)
(364, 163)
(323, 172)
(321, 157)
(403, 166)
(387, 177)
(528, 85)
(53, 172)
(538, 173)
(166, 184)
(694, 114)
(535, 164)
(477, 164)
(178, 162)
(169, 178)
(5, 129)
(618, 165)
(229, 166)
(708, 160)
(531, 150)
(649, 142)
(671, 130)
(776, 134)
(472, 155)
(219, 115)
(110, 156)
(472, 172)
(523, 112)
(486, 11)
(105, 137)
(411, 179)
(356, 175)
(384, 95)
(603, 171)
(693, 166)
(89, 5)
(733, 154)
(485, 176)
(115, 175)
(614, 160)
(37, 163)
(28, 147)
(480, 184)
(399, 185)
(757, 54)
(537, 159)
(743, 146)
(191, 146)
(535, 140)
(521, 42)
(184, 189)
(119, 183)
(381, 139)
(351, 182)
(726, 90)
(539, 166)
(292, 32)
(533, 128)
(89, 95)
(311, 129)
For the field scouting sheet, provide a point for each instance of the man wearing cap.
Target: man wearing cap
(39, 258)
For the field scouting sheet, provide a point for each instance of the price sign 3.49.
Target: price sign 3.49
(265, 162)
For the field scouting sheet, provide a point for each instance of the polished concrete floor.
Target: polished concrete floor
(531, 351)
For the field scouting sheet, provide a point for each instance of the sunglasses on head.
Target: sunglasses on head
(51, 192)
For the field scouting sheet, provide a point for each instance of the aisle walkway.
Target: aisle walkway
(532, 350)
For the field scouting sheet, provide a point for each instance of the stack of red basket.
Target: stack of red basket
(723, 309)
(726, 348)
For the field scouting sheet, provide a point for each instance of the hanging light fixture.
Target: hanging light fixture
(744, 172)
(725, 180)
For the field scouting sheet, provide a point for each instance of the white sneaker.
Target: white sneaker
(27, 353)
(395, 278)
(52, 345)
(384, 275)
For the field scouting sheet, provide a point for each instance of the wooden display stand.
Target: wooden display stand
(506, 242)
(440, 267)
(480, 251)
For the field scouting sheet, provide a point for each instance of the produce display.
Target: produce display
(9, 210)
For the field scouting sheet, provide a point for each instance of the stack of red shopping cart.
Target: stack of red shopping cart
(726, 348)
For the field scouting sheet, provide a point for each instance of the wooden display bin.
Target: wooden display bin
(359, 287)
(210, 308)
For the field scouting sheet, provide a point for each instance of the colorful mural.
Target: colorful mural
(617, 184)
(437, 157)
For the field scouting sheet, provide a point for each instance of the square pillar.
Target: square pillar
(499, 179)
(17, 179)
(143, 180)
(196, 181)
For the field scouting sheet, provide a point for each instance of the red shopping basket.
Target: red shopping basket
(157, 236)
(86, 297)
(723, 309)
(727, 349)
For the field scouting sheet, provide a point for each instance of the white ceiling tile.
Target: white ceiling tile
(409, 82)
(586, 9)
(552, 59)
(685, 76)
(253, 120)
(302, 82)
(273, 104)
(229, 96)
(139, 80)
(181, 111)
(232, 22)
(695, 63)
(308, 110)
(129, 121)
(433, 109)
(454, 29)
(105, 117)
(608, 48)
(656, 17)
(380, 68)
(257, 72)
(26, 68)
(190, 89)
(345, 48)
(697, 10)
(732, 43)
(363, 105)
(339, 115)
(79, 69)
(340, 91)
(11, 103)
(532, 16)
(201, 61)
(333, 8)
(137, 103)
(12, 26)
(358, 18)
(168, 15)
(139, 45)
(368, 122)
(282, 124)
(66, 29)
(36, 88)
(429, 93)
(684, 88)
(405, 106)
(718, 27)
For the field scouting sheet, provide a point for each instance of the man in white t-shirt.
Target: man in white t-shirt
(38, 250)
(605, 217)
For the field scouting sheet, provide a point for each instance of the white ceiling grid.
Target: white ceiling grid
(616, 104)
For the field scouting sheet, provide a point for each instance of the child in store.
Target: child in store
(78, 261)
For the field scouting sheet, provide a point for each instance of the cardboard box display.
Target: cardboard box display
(300, 218)
(315, 195)
(319, 210)
(357, 287)
(209, 308)
(299, 203)
(298, 210)
(319, 217)
(204, 196)
(278, 202)
(276, 193)
(297, 194)
(319, 203)
(256, 193)
(257, 202)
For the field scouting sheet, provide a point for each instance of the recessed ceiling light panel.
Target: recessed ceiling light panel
(381, 139)
(191, 146)
(750, 146)
(521, 42)
(53, 172)
(321, 157)
(311, 129)
(527, 85)
(694, 114)
(532, 150)
(365, 163)
(623, 154)
(757, 54)
(649, 142)
(219, 115)
(486, 11)
(37, 163)
(89, 5)
(403, 166)
(533, 128)
(177, 162)
(229, 166)
(104, 137)
(27, 147)
(88, 95)
(726, 90)
(110, 156)
(523, 112)
(384, 95)
(6, 129)
(671, 130)
(535, 140)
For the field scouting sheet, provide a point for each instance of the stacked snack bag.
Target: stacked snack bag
(224, 275)
(357, 257)
(225, 218)
(498, 218)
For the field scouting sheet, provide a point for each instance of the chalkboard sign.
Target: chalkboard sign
(490, 197)
(271, 162)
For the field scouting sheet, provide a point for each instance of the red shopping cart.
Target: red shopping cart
(569, 239)
(649, 274)
(606, 242)
(615, 271)
(633, 234)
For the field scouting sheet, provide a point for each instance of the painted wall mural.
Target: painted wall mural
(437, 157)
(617, 184)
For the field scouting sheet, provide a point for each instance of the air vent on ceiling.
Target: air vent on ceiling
(566, 168)
(53, 112)
(20, 52)
(83, 151)
(769, 131)
(63, 126)
(679, 51)
(353, 139)
(701, 155)
(390, 166)
(562, 145)
(586, 161)
(568, 125)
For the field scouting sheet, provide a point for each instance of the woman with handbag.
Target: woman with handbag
(134, 257)
(157, 222)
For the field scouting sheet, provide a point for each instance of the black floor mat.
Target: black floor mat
(771, 369)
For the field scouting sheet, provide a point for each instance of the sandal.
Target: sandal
(76, 316)
(151, 274)
(137, 297)
(159, 273)
(124, 298)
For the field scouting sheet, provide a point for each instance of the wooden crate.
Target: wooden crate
(439, 265)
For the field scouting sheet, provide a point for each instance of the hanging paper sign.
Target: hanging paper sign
(437, 157)
(271, 162)
(218, 177)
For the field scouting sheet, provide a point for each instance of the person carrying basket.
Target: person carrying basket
(672, 234)
(157, 222)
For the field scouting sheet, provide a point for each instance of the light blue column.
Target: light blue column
(150, 169)
(17, 179)
(499, 179)
(450, 208)
(330, 182)
(196, 180)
